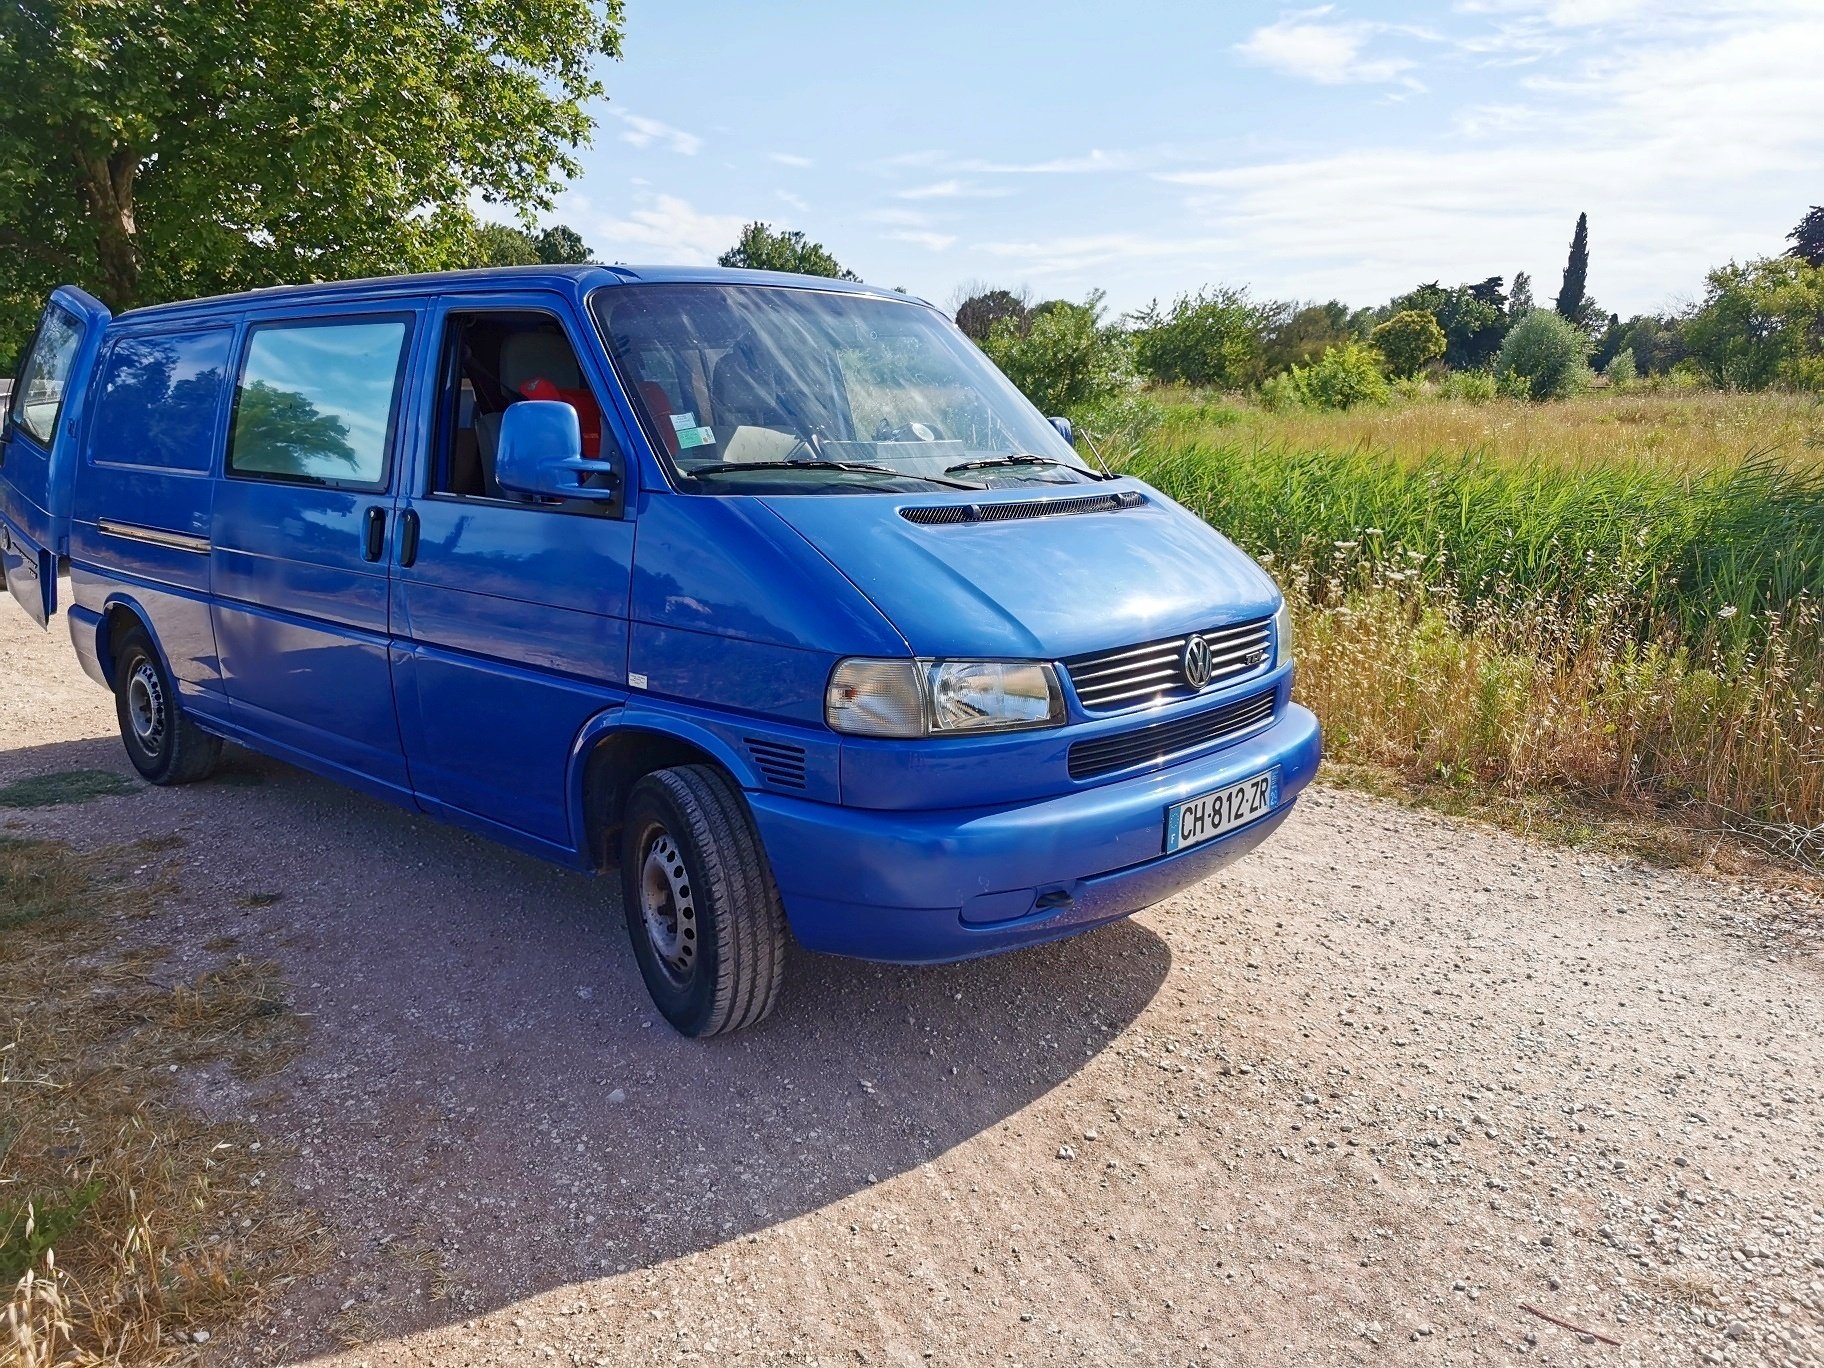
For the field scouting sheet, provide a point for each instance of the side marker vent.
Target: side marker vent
(782, 764)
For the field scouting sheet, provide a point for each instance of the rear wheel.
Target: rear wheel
(165, 746)
(705, 918)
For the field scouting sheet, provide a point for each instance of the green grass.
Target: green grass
(67, 786)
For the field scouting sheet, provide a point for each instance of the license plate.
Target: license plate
(1210, 815)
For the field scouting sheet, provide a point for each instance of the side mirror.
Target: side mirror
(540, 455)
(1065, 430)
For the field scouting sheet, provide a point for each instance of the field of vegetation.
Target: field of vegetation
(1612, 598)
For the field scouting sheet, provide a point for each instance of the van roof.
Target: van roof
(575, 278)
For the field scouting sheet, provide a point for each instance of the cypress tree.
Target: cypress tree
(1571, 299)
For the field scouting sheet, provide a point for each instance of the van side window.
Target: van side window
(316, 402)
(491, 360)
(38, 395)
(158, 400)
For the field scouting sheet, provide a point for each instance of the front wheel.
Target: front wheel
(702, 909)
(165, 746)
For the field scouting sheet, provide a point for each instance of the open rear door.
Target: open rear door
(38, 447)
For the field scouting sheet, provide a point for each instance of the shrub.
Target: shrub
(1410, 340)
(1341, 378)
(1214, 337)
(1062, 357)
(978, 314)
(1621, 369)
(1468, 387)
(1543, 356)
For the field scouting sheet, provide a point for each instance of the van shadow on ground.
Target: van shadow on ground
(488, 1087)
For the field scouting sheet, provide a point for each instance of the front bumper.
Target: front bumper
(928, 887)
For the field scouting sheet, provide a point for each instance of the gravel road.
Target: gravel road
(1360, 1097)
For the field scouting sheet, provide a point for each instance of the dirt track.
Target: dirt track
(1358, 1098)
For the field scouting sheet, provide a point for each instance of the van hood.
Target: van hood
(1040, 587)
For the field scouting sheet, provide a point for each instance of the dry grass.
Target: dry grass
(1668, 429)
(127, 1221)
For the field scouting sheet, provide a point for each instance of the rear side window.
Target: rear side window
(158, 400)
(38, 394)
(316, 402)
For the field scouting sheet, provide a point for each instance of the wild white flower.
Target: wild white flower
(1727, 611)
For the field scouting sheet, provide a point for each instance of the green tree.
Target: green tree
(280, 429)
(1410, 340)
(1300, 333)
(978, 314)
(1474, 319)
(502, 244)
(765, 248)
(1761, 324)
(1573, 304)
(1064, 356)
(1657, 343)
(1520, 299)
(1808, 238)
(1214, 337)
(1544, 356)
(151, 150)
(1621, 369)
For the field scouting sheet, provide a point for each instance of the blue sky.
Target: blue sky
(1346, 150)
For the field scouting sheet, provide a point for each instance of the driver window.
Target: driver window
(491, 361)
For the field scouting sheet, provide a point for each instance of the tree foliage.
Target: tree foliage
(978, 314)
(152, 150)
(1410, 340)
(502, 244)
(1808, 238)
(765, 248)
(1544, 356)
(1520, 299)
(1473, 318)
(1214, 337)
(1761, 324)
(1300, 333)
(1573, 303)
(1064, 356)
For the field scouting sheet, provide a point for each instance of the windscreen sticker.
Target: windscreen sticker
(680, 421)
(696, 437)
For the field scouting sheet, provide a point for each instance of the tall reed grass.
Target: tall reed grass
(1635, 628)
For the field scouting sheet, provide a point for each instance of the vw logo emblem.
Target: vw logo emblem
(1197, 662)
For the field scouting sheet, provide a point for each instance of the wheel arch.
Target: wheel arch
(119, 615)
(614, 751)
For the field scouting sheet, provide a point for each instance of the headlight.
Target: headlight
(1282, 632)
(926, 697)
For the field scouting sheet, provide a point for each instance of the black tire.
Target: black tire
(702, 908)
(165, 746)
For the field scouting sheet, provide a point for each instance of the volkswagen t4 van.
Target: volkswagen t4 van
(768, 592)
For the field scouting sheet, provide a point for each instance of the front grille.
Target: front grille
(947, 515)
(782, 764)
(1133, 676)
(1162, 742)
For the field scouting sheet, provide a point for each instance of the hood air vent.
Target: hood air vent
(945, 515)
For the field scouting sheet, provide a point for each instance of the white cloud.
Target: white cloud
(1685, 151)
(795, 201)
(1091, 161)
(790, 159)
(1331, 52)
(950, 189)
(911, 218)
(936, 242)
(644, 132)
(666, 228)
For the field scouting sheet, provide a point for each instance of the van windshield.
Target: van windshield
(780, 389)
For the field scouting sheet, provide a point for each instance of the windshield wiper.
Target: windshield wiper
(859, 467)
(1019, 458)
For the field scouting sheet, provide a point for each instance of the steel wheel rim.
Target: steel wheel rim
(146, 707)
(668, 905)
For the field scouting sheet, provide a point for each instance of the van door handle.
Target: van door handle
(375, 534)
(408, 537)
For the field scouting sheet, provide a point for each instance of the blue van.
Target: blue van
(770, 592)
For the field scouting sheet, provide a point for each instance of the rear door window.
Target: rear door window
(158, 400)
(39, 392)
(316, 402)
